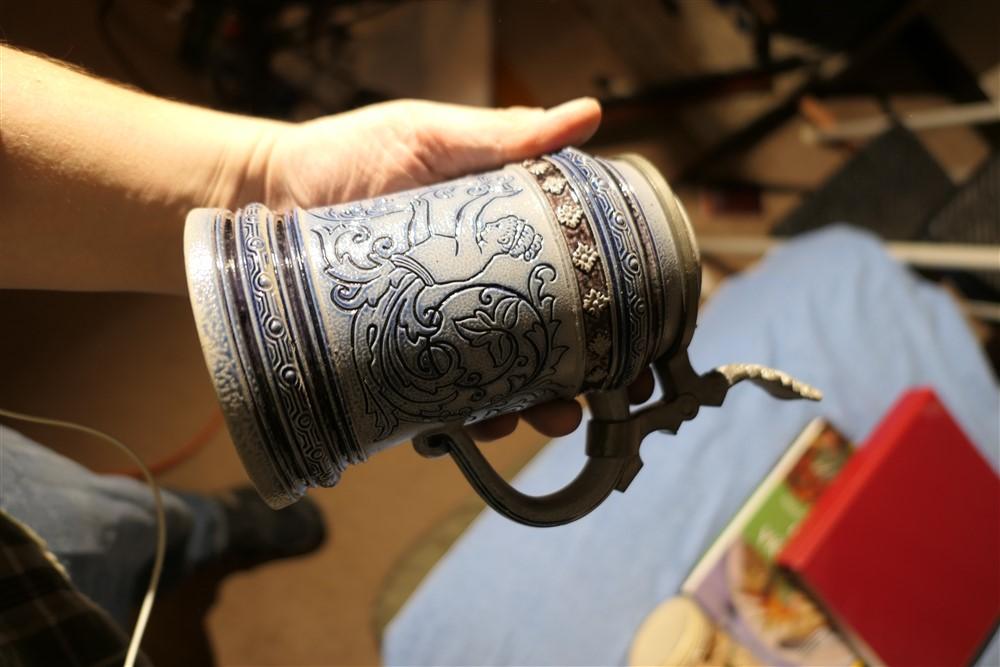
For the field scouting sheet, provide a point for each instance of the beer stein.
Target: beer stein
(335, 332)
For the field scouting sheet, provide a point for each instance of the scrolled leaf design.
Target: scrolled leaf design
(437, 341)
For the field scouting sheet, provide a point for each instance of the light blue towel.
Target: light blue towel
(830, 308)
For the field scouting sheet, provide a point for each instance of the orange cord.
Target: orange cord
(182, 453)
(817, 113)
(821, 116)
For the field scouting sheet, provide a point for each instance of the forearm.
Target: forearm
(95, 179)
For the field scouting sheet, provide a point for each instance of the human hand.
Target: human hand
(403, 144)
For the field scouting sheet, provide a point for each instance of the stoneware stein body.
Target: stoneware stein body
(334, 332)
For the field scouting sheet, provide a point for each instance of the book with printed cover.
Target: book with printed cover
(737, 582)
(903, 549)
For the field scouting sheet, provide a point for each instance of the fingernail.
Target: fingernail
(573, 107)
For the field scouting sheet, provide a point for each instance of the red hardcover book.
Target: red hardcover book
(903, 548)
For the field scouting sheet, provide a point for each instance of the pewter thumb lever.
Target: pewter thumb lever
(614, 436)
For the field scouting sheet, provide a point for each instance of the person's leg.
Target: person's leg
(102, 527)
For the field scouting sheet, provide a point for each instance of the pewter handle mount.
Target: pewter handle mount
(614, 435)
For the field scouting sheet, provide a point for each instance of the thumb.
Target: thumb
(572, 122)
(488, 138)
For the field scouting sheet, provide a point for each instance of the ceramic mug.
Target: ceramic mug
(335, 332)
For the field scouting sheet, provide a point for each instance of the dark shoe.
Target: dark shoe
(257, 533)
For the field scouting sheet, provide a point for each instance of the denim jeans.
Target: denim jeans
(102, 528)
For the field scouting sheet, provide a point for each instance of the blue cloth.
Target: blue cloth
(832, 309)
(102, 528)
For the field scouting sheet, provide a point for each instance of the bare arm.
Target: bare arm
(95, 179)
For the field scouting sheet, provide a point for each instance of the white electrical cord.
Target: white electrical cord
(161, 523)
